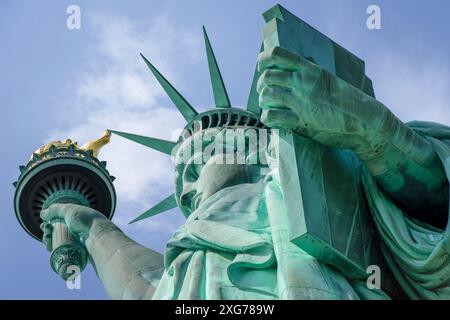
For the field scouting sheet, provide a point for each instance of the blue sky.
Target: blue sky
(57, 83)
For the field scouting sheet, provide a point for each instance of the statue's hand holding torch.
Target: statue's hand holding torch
(59, 194)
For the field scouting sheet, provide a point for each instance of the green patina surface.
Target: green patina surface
(346, 185)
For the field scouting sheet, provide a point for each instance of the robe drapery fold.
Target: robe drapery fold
(418, 254)
(237, 248)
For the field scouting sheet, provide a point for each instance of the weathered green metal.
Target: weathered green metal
(160, 145)
(178, 100)
(221, 118)
(288, 31)
(302, 225)
(330, 219)
(320, 184)
(67, 253)
(253, 97)
(168, 203)
(41, 183)
(218, 86)
(62, 175)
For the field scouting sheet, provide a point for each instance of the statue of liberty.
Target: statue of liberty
(335, 185)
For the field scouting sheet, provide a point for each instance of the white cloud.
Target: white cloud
(116, 90)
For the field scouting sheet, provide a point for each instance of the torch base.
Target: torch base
(69, 257)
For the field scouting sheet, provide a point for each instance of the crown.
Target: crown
(222, 116)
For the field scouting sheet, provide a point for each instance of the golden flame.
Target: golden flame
(94, 145)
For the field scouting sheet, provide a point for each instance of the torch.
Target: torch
(60, 172)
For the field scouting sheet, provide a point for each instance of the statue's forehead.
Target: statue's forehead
(205, 143)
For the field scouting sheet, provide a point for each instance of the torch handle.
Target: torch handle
(69, 256)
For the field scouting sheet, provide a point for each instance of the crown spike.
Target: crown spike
(180, 102)
(164, 205)
(160, 145)
(220, 92)
(253, 98)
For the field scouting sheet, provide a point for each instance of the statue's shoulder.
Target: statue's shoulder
(430, 129)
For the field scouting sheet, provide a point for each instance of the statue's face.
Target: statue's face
(200, 181)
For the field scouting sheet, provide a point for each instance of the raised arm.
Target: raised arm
(297, 94)
(127, 269)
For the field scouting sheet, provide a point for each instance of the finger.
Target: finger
(49, 214)
(280, 118)
(46, 227)
(47, 230)
(275, 77)
(272, 97)
(279, 58)
(47, 241)
(56, 211)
